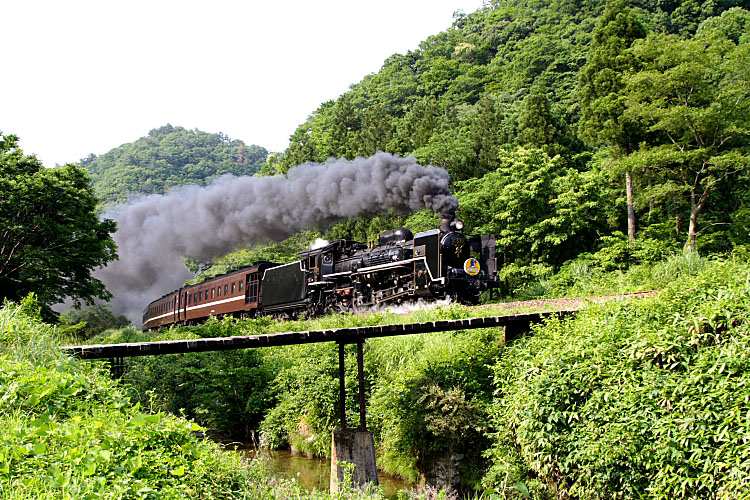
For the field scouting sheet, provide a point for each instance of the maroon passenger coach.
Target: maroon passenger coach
(236, 293)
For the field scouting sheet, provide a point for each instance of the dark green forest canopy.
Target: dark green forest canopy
(523, 74)
(169, 156)
(459, 96)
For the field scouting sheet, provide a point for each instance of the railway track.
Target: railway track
(514, 323)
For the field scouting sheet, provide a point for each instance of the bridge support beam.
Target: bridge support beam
(355, 447)
(352, 447)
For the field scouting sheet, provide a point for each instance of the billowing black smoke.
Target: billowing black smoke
(156, 232)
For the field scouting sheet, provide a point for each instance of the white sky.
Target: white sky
(82, 77)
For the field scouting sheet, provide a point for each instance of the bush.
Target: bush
(68, 431)
(429, 398)
(643, 399)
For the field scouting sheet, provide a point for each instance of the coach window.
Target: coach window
(218, 291)
(234, 287)
(240, 286)
(213, 293)
(226, 289)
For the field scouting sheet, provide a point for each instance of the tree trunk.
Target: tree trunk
(650, 196)
(695, 209)
(631, 207)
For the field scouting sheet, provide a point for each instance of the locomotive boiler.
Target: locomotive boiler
(342, 276)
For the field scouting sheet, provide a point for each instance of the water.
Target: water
(315, 473)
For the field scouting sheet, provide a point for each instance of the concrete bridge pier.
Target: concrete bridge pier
(352, 446)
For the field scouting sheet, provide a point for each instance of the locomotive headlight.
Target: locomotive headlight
(459, 225)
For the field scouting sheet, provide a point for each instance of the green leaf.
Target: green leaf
(522, 489)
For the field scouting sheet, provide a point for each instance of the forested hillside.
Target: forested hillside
(609, 133)
(169, 156)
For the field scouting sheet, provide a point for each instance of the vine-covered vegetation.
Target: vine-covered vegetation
(645, 399)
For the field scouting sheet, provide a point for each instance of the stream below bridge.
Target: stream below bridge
(314, 473)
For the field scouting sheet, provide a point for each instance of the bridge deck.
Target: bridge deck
(515, 324)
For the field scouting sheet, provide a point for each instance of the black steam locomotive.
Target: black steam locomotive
(343, 276)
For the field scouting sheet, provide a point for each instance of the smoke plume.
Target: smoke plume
(156, 232)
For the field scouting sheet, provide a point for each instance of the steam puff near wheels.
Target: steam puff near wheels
(156, 232)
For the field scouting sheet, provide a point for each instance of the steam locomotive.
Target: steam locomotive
(342, 276)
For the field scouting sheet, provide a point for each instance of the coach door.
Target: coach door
(252, 288)
(184, 307)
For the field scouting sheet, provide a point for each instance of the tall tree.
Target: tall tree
(540, 211)
(601, 89)
(50, 236)
(695, 96)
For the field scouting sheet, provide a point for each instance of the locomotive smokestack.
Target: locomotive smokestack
(445, 222)
(155, 233)
(446, 218)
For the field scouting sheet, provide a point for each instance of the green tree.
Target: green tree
(601, 89)
(695, 97)
(95, 319)
(417, 126)
(50, 237)
(376, 131)
(541, 126)
(541, 213)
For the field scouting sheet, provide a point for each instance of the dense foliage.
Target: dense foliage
(606, 89)
(69, 431)
(623, 397)
(167, 157)
(644, 399)
(50, 237)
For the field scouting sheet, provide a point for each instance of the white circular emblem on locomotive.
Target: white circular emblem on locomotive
(471, 266)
